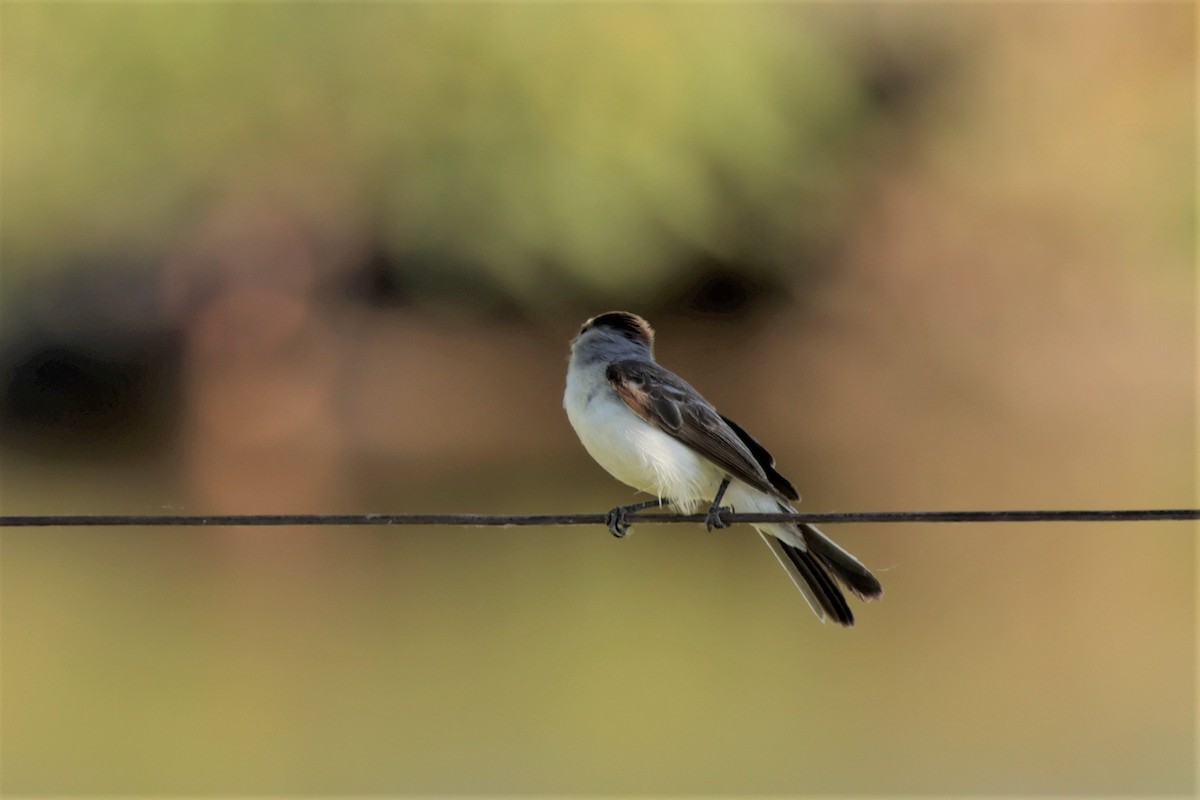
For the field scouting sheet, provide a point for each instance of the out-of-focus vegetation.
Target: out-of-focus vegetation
(266, 258)
(551, 147)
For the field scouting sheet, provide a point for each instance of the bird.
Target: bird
(651, 430)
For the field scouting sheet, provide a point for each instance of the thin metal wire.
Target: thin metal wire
(533, 520)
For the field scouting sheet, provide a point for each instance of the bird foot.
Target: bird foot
(616, 522)
(618, 526)
(713, 519)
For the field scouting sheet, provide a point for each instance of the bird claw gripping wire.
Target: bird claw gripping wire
(615, 520)
(618, 526)
(713, 518)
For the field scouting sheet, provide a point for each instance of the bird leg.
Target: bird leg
(713, 520)
(615, 519)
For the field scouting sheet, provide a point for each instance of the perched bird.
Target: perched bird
(651, 430)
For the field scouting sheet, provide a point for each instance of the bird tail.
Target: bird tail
(813, 566)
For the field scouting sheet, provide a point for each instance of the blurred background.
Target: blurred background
(327, 258)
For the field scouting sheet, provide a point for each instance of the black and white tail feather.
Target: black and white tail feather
(819, 567)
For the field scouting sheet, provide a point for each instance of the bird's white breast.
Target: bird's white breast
(632, 450)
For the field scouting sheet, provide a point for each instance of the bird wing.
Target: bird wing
(765, 460)
(667, 402)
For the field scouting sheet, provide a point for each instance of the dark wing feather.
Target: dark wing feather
(664, 400)
(765, 460)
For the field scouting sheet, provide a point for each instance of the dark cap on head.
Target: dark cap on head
(631, 326)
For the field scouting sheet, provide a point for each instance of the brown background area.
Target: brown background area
(980, 297)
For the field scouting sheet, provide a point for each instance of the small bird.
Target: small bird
(651, 430)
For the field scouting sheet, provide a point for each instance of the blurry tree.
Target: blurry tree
(556, 149)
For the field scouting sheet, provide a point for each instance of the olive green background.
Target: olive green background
(934, 256)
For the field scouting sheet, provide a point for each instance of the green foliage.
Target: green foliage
(601, 141)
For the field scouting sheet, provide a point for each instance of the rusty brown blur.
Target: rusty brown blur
(936, 257)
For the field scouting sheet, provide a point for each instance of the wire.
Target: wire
(531, 520)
